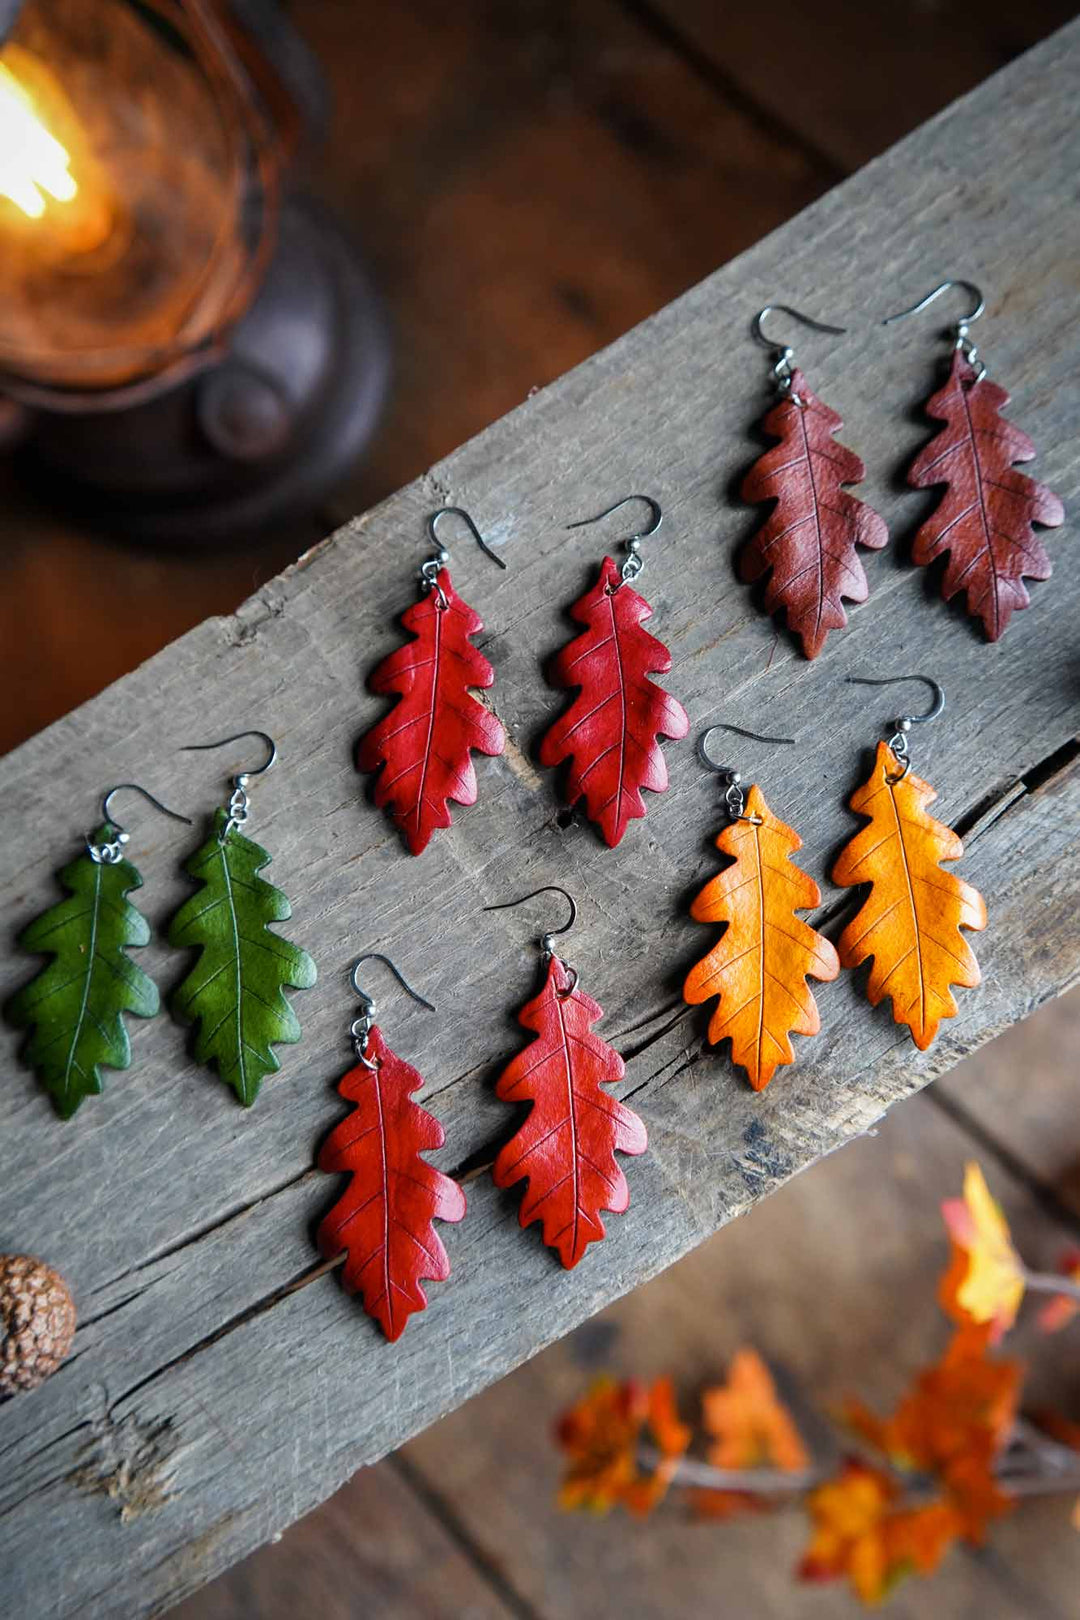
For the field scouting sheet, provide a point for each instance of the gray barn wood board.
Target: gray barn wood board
(221, 1383)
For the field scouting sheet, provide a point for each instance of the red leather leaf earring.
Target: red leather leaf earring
(806, 546)
(422, 748)
(983, 523)
(610, 733)
(383, 1221)
(565, 1149)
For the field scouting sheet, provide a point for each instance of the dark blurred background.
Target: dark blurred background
(525, 180)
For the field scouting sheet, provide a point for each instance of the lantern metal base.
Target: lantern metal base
(258, 438)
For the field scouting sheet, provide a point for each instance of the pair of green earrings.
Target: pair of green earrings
(234, 993)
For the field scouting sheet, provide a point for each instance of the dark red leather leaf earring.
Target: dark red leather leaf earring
(983, 522)
(565, 1149)
(383, 1221)
(422, 748)
(610, 733)
(806, 546)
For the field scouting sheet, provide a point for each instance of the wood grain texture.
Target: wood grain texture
(221, 1384)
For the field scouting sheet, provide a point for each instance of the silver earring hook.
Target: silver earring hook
(547, 949)
(898, 742)
(943, 287)
(109, 854)
(784, 353)
(360, 1028)
(962, 339)
(734, 798)
(238, 803)
(429, 570)
(632, 564)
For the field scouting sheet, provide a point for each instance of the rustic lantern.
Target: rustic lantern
(184, 353)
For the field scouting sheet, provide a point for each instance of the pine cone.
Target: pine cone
(37, 1322)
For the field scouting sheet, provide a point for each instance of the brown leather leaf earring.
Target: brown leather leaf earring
(983, 523)
(806, 546)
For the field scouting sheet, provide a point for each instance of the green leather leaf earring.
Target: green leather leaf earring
(235, 992)
(74, 1007)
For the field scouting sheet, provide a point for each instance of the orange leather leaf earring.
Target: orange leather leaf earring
(910, 922)
(760, 965)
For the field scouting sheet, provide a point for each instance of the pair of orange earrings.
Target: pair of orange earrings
(910, 923)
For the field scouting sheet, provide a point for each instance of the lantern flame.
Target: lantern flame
(33, 164)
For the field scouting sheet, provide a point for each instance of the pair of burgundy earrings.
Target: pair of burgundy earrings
(564, 1150)
(806, 551)
(983, 524)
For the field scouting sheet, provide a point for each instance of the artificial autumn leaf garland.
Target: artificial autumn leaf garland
(938, 1471)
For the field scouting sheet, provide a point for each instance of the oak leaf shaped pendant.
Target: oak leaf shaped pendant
(984, 520)
(422, 748)
(911, 921)
(760, 966)
(73, 1008)
(234, 994)
(565, 1150)
(806, 546)
(610, 733)
(384, 1220)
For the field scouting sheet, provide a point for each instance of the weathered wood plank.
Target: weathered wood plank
(211, 1371)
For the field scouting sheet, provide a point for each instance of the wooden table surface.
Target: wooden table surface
(219, 1386)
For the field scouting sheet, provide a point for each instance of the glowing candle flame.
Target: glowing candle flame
(33, 164)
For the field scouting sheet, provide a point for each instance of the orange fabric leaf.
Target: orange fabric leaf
(748, 1424)
(847, 1515)
(952, 1424)
(760, 965)
(911, 920)
(671, 1438)
(988, 1286)
(860, 1532)
(602, 1435)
